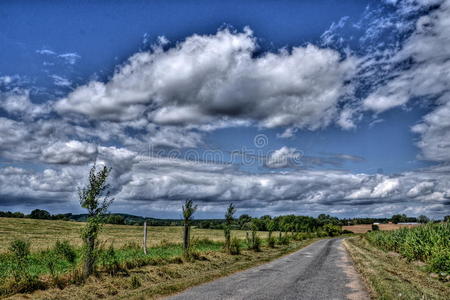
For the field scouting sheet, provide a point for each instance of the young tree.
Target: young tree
(227, 229)
(95, 198)
(188, 210)
(271, 226)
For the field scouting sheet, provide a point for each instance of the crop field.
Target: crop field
(44, 233)
(363, 228)
(428, 243)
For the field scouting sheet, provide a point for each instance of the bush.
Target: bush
(283, 239)
(271, 242)
(109, 261)
(65, 251)
(375, 227)
(235, 246)
(332, 230)
(50, 261)
(22, 281)
(256, 246)
(20, 250)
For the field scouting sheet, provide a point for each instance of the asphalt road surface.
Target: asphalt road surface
(322, 270)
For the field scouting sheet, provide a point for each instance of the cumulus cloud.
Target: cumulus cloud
(17, 102)
(283, 158)
(295, 191)
(20, 187)
(219, 75)
(422, 188)
(156, 183)
(71, 152)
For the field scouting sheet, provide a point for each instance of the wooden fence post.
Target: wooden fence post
(145, 237)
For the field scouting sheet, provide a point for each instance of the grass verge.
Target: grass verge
(166, 277)
(389, 276)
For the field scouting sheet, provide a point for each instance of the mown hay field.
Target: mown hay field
(44, 233)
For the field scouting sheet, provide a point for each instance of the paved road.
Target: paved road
(322, 270)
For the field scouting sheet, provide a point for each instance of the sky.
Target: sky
(280, 107)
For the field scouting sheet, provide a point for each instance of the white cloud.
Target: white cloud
(283, 158)
(146, 182)
(70, 58)
(71, 152)
(426, 79)
(60, 81)
(217, 75)
(421, 189)
(385, 188)
(17, 102)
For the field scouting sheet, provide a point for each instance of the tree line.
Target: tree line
(304, 222)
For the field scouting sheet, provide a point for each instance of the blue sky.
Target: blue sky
(351, 105)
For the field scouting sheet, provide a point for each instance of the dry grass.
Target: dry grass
(391, 277)
(150, 282)
(363, 228)
(44, 233)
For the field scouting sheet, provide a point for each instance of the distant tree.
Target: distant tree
(229, 217)
(423, 219)
(40, 214)
(323, 219)
(447, 218)
(95, 198)
(115, 219)
(399, 218)
(188, 211)
(244, 219)
(64, 217)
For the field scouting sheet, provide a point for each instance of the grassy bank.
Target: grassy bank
(128, 255)
(166, 275)
(390, 276)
